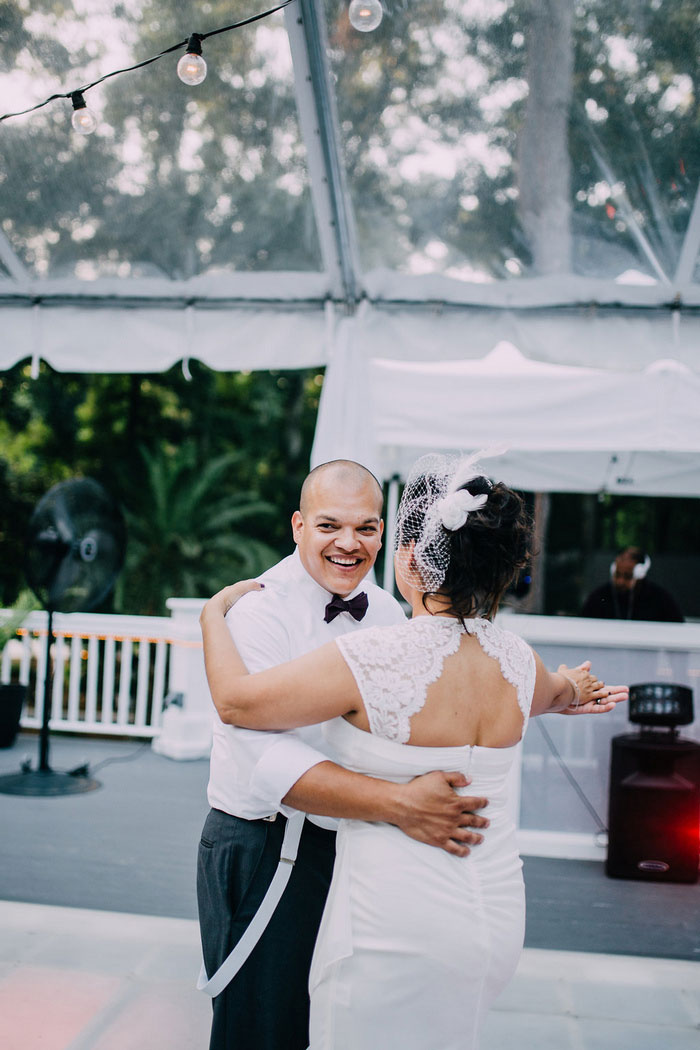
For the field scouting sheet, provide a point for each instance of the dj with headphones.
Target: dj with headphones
(629, 595)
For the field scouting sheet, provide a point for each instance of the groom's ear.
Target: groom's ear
(297, 525)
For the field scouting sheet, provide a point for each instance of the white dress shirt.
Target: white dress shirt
(252, 770)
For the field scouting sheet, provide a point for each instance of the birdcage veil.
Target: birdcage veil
(435, 503)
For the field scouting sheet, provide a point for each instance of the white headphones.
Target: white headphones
(639, 571)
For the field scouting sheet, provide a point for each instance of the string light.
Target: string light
(84, 121)
(192, 69)
(365, 15)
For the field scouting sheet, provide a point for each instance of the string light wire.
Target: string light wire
(147, 61)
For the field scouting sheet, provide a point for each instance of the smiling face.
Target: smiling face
(338, 529)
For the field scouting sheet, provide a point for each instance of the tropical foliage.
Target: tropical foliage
(184, 530)
(208, 471)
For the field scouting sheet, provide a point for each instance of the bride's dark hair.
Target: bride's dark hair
(487, 553)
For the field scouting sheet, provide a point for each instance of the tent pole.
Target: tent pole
(691, 245)
(392, 505)
(318, 119)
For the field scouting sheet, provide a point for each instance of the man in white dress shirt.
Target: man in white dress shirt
(259, 778)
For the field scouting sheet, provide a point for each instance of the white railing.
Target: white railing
(111, 674)
(553, 820)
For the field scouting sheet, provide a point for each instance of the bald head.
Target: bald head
(341, 476)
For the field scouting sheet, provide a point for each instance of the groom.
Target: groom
(259, 778)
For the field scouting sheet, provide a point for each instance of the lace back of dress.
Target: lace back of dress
(394, 666)
(514, 657)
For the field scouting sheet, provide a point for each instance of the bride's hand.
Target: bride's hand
(596, 698)
(227, 597)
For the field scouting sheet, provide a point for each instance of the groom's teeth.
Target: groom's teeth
(344, 561)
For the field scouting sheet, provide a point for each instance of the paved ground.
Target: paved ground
(74, 979)
(131, 845)
(99, 950)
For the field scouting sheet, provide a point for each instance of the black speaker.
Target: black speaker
(654, 808)
(660, 704)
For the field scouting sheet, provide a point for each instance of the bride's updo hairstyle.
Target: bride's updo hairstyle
(487, 552)
(460, 535)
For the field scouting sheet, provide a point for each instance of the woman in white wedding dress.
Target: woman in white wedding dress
(416, 943)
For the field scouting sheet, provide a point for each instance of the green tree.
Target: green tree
(264, 422)
(176, 181)
(179, 182)
(184, 536)
(447, 73)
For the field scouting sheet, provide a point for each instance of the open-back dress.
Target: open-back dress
(415, 943)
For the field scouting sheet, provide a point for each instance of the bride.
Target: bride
(416, 943)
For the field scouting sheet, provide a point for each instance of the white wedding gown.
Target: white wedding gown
(415, 943)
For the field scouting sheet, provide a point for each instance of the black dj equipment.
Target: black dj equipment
(654, 802)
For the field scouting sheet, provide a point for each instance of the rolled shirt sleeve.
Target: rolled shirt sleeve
(266, 764)
(252, 770)
(280, 764)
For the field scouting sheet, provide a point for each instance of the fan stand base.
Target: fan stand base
(45, 782)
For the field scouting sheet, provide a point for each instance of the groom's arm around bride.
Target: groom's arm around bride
(259, 778)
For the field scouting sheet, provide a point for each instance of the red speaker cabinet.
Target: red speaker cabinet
(654, 808)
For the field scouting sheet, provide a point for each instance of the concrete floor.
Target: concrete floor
(99, 947)
(75, 979)
(131, 846)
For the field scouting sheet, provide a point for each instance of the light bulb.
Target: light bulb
(192, 69)
(83, 121)
(365, 15)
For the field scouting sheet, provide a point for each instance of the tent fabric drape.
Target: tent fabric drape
(567, 428)
(504, 398)
(623, 415)
(146, 340)
(144, 335)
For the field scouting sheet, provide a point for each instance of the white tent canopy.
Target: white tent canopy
(321, 170)
(142, 330)
(566, 428)
(377, 203)
(151, 338)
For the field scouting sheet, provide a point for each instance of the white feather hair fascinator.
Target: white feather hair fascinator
(435, 502)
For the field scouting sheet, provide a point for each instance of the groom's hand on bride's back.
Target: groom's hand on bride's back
(434, 813)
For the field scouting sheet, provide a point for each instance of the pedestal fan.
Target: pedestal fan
(75, 550)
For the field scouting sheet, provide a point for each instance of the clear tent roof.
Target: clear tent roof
(466, 151)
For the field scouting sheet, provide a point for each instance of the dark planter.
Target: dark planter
(11, 701)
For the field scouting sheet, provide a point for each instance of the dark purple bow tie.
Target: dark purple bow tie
(357, 607)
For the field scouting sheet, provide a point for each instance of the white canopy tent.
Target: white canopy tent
(567, 428)
(300, 210)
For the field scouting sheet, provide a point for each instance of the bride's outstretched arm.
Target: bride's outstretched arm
(310, 689)
(573, 690)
